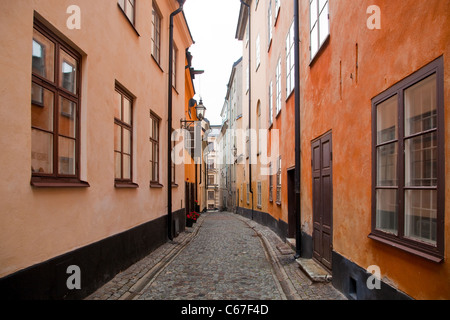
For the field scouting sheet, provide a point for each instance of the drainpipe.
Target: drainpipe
(169, 125)
(249, 98)
(298, 215)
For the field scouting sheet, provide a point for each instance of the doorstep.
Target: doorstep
(314, 271)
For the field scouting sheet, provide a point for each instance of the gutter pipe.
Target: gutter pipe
(298, 215)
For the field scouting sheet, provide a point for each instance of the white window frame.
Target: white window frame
(270, 103)
(278, 84)
(290, 61)
(318, 12)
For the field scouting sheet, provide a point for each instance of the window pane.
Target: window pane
(118, 106)
(314, 13)
(43, 56)
(314, 41)
(421, 160)
(323, 24)
(66, 156)
(41, 152)
(42, 102)
(130, 10)
(421, 106)
(420, 215)
(68, 74)
(322, 4)
(122, 4)
(387, 159)
(126, 141)
(118, 165)
(126, 111)
(387, 211)
(126, 167)
(117, 138)
(387, 120)
(67, 118)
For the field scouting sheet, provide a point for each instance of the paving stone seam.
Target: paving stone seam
(136, 290)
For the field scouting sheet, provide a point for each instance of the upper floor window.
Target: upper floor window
(270, 22)
(290, 61)
(408, 177)
(129, 8)
(270, 103)
(156, 34)
(278, 84)
(123, 137)
(154, 148)
(277, 8)
(319, 25)
(55, 109)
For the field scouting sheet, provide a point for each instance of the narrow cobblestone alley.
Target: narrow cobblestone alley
(223, 257)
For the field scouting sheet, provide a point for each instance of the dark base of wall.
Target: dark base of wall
(98, 263)
(351, 280)
(278, 226)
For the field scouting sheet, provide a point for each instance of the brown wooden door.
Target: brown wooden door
(322, 200)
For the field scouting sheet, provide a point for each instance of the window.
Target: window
(279, 181)
(174, 67)
(248, 193)
(258, 128)
(277, 8)
(270, 22)
(154, 148)
(211, 180)
(259, 200)
(319, 25)
(55, 110)
(258, 52)
(211, 195)
(123, 136)
(290, 61)
(408, 194)
(270, 103)
(248, 79)
(270, 183)
(173, 165)
(156, 34)
(129, 8)
(278, 82)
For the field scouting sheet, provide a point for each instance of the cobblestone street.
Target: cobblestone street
(223, 257)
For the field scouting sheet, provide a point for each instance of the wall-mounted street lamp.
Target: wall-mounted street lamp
(201, 109)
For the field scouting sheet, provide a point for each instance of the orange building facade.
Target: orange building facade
(84, 132)
(374, 174)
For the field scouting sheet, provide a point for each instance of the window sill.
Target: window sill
(290, 95)
(131, 23)
(125, 185)
(278, 203)
(174, 185)
(426, 255)
(55, 183)
(155, 185)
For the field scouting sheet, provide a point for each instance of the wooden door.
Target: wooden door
(322, 200)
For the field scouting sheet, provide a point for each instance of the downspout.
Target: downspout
(249, 98)
(169, 125)
(298, 215)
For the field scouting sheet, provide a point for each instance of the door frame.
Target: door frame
(328, 136)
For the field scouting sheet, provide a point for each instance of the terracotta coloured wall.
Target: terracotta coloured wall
(413, 33)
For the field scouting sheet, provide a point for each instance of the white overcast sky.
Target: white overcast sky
(213, 27)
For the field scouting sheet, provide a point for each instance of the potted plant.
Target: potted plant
(191, 218)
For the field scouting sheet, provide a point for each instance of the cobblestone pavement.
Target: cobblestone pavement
(223, 257)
